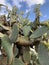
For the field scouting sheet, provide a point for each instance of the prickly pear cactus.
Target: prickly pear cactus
(23, 42)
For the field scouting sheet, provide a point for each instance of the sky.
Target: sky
(26, 6)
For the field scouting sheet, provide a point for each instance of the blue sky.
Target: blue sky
(28, 5)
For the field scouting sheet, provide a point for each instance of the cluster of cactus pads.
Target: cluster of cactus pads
(23, 42)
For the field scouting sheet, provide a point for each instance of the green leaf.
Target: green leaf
(13, 19)
(8, 48)
(34, 57)
(26, 55)
(14, 34)
(17, 61)
(1, 57)
(21, 19)
(43, 55)
(48, 33)
(14, 10)
(26, 30)
(39, 32)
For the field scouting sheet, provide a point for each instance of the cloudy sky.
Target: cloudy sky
(28, 5)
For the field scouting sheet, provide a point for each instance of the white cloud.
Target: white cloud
(3, 12)
(33, 2)
(17, 3)
(29, 2)
(3, 2)
(27, 10)
(9, 6)
(44, 16)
